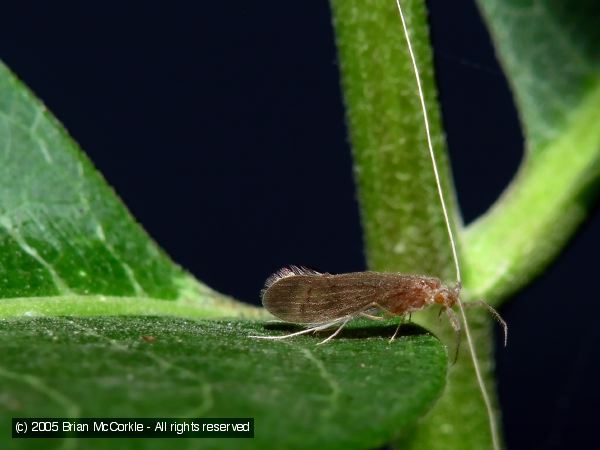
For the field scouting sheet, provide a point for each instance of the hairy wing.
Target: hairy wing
(317, 298)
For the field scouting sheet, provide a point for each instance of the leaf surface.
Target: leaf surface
(356, 392)
(550, 54)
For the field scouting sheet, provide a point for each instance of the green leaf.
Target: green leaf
(66, 239)
(356, 392)
(549, 51)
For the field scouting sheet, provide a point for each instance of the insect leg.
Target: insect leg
(382, 308)
(335, 333)
(385, 311)
(298, 333)
(455, 322)
(396, 332)
(494, 313)
(371, 316)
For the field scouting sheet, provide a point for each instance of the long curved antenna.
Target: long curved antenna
(484, 393)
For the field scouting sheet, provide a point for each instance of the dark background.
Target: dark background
(221, 126)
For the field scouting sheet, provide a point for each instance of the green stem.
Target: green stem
(551, 195)
(459, 419)
(401, 213)
(402, 219)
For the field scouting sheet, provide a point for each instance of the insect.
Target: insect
(321, 301)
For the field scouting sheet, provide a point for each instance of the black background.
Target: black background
(221, 126)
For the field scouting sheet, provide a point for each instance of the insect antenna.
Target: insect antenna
(470, 343)
(494, 314)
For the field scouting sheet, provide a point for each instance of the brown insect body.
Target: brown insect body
(307, 297)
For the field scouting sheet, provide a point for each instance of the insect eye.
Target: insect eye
(440, 298)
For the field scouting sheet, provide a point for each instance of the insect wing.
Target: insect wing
(318, 298)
